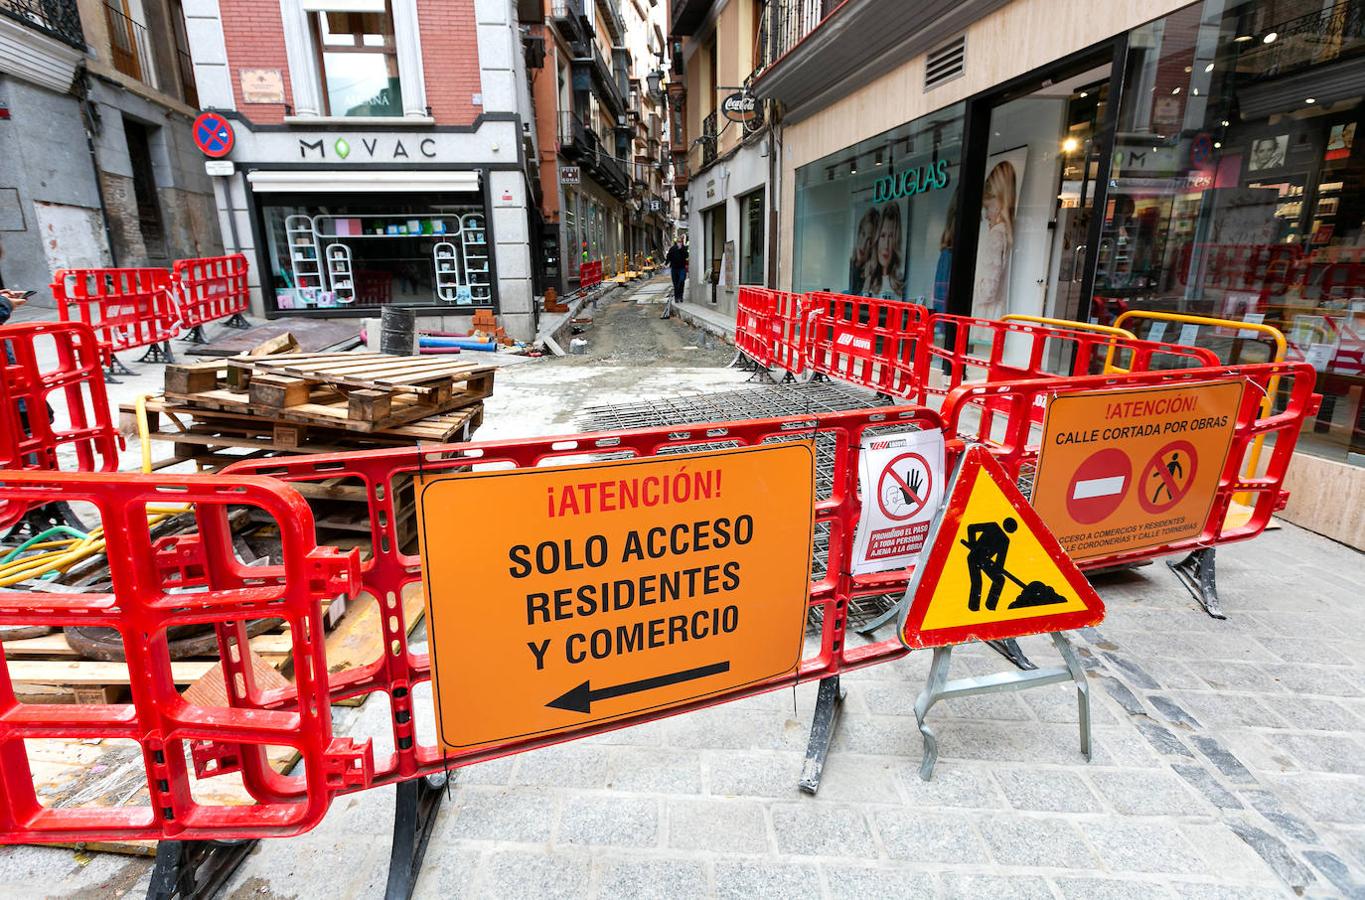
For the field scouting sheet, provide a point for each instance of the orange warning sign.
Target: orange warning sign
(604, 590)
(993, 570)
(1129, 470)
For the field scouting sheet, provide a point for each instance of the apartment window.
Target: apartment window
(751, 238)
(358, 62)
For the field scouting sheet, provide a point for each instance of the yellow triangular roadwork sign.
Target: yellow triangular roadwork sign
(993, 569)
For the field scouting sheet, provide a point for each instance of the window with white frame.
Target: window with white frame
(357, 57)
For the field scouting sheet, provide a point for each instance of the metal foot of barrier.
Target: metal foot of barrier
(237, 321)
(1009, 648)
(42, 518)
(737, 361)
(160, 352)
(116, 367)
(195, 336)
(938, 687)
(195, 869)
(1197, 573)
(414, 816)
(829, 703)
(867, 629)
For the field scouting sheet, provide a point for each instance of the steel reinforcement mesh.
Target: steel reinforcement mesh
(760, 402)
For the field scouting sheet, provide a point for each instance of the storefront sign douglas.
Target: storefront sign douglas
(919, 180)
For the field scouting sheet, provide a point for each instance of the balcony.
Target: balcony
(59, 19)
(128, 44)
(589, 70)
(688, 16)
(820, 49)
(580, 144)
(569, 16)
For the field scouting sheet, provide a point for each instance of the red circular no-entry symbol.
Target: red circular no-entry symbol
(1167, 477)
(904, 487)
(213, 135)
(1099, 485)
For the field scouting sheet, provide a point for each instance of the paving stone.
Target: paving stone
(1225, 676)
(1172, 712)
(1036, 841)
(964, 786)
(1276, 855)
(1122, 694)
(721, 728)
(652, 879)
(1202, 780)
(1155, 793)
(761, 774)
(1302, 679)
(1131, 672)
(1314, 713)
(720, 825)
(1046, 790)
(878, 735)
(1335, 871)
(928, 837)
(448, 872)
(862, 882)
(1187, 890)
(1173, 674)
(996, 887)
(852, 778)
(817, 829)
(513, 874)
(1161, 738)
(1334, 753)
(1222, 759)
(1327, 798)
(1109, 889)
(609, 820)
(564, 765)
(1057, 703)
(1288, 824)
(747, 880)
(655, 770)
(492, 814)
(495, 771)
(1228, 710)
(1129, 846)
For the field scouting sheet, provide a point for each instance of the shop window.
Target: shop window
(359, 252)
(357, 62)
(878, 218)
(751, 215)
(1238, 191)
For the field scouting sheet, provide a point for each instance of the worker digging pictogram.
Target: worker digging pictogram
(988, 545)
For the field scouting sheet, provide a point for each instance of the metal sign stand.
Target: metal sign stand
(1197, 573)
(186, 869)
(829, 703)
(938, 687)
(414, 817)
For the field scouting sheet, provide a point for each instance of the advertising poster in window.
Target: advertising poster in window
(999, 203)
(876, 266)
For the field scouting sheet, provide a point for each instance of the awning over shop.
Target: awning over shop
(361, 180)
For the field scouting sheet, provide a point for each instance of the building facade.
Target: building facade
(97, 164)
(724, 151)
(382, 154)
(1078, 160)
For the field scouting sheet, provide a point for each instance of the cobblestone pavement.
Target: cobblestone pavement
(1228, 762)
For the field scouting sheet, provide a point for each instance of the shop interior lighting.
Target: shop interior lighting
(1311, 100)
(1226, 123)
(1209, 67)
(1218, 145)
(1241, 39)
(1270, 38)
(1175, 90)
(1084, 94)
(1070, 145)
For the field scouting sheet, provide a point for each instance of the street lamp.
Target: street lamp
(653, 79)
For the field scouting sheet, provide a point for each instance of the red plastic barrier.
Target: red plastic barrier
(789, 326)
(1012, 436)
(151, 594)
(128, 308)
(210, 288)
(394, 568)
(869, 342)
(753, 324)
(590, 274)
(54, 414)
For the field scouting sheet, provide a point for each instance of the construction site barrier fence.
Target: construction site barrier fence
(210, 288)
(54, 413)
(127, 308)
(590, 274)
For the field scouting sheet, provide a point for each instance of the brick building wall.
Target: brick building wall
(450, 58)
(254, 34)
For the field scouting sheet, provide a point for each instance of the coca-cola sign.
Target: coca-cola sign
(741, 107)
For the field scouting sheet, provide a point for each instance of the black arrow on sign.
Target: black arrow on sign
(581, 698)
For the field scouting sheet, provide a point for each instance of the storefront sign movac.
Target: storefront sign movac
(918, 180)
(372, 148)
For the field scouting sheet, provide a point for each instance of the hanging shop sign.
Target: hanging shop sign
(993, 569)
(907, 183)
(570, 175)
(902, 485)
(609, 589)
(740, 107)
(1126, 470)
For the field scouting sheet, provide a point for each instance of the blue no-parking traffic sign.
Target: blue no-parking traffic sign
(213, 135)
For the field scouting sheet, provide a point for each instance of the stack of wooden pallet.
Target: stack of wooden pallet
(314, 403)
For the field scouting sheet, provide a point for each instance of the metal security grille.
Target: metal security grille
(945, 63)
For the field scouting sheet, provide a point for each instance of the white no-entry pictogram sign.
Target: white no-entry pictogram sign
(901, 480)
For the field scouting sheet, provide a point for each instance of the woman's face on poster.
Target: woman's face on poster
(887, 239)
(867, 234)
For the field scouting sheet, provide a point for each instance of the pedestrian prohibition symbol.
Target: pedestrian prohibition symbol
(606, 590)
(993, 570)
(213, 135)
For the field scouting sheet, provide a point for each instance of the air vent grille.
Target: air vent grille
(945, 62)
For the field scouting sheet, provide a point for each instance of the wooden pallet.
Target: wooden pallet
(363, 392)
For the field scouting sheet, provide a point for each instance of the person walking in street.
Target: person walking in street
(677, 267)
